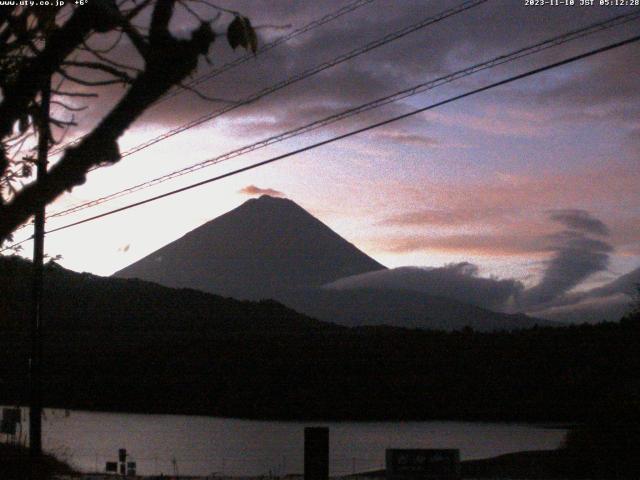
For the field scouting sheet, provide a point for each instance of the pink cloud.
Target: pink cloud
(252, 190)
(507, 215)
(614, 186)
(412, 139)
(505, 120)
(444, 217)
(498, 244)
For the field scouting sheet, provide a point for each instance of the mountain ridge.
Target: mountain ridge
(134, 346)
(403, 309)
(272, 248)
(131, 305)
(261, 247)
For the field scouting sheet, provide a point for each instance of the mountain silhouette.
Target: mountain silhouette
(272, 248)
(265, 246)
(127, 345)
(402, 308)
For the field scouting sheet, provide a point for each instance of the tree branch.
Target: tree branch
(124, 76)
(201, 95)
(100, 146)
(131, 14)
(62, 93)
(136, 38)
(89, 83)
(68, 107)
(109, 61)
(159, 29)
(29, 81)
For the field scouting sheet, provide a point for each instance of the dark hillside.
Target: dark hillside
(187, 352)
(83, 301)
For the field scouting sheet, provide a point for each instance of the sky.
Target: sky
(535, 182)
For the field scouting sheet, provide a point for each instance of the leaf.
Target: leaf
(241, 33)
(252, 38)
(26, 170)
(235, 32)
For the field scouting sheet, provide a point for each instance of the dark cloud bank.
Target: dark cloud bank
(479, 34)
(459, 281)
(576, 256)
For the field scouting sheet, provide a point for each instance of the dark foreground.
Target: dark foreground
(131, 346)
(558, 464)
(16, 464)
(569, 462)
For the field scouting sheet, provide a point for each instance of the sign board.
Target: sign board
(423, 464)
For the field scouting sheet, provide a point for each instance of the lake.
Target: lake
(196, 445)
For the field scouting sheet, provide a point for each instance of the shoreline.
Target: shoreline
(553, 424)
(523, 465)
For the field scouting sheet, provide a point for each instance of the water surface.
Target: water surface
(204, 445)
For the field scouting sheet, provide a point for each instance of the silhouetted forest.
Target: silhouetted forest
(128, 345)
(17, 464)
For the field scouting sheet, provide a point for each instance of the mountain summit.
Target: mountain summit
(272, 248)
(265, 246)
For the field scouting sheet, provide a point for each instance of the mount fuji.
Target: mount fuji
(272, 248)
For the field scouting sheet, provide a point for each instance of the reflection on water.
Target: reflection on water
(204, 445)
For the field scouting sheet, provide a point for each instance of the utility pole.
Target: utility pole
(35, 363)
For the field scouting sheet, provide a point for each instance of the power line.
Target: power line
(249, 56)
(360, 130)
(309, 73)
(414, 90)
(12, 247)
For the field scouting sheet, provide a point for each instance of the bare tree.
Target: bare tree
(42, 46)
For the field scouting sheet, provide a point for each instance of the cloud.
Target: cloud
(461, 41)
(430, 217)
(252, 190)
(576, 257)
(595, 79)
(607, 302)
(124, 248)
(413, 139)
(625, 284)
(490, 244)
(576, 254)
(498, 120)
(590, 310)
(580, 220)
(508, 214)
(441, 217)
(459, 281)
